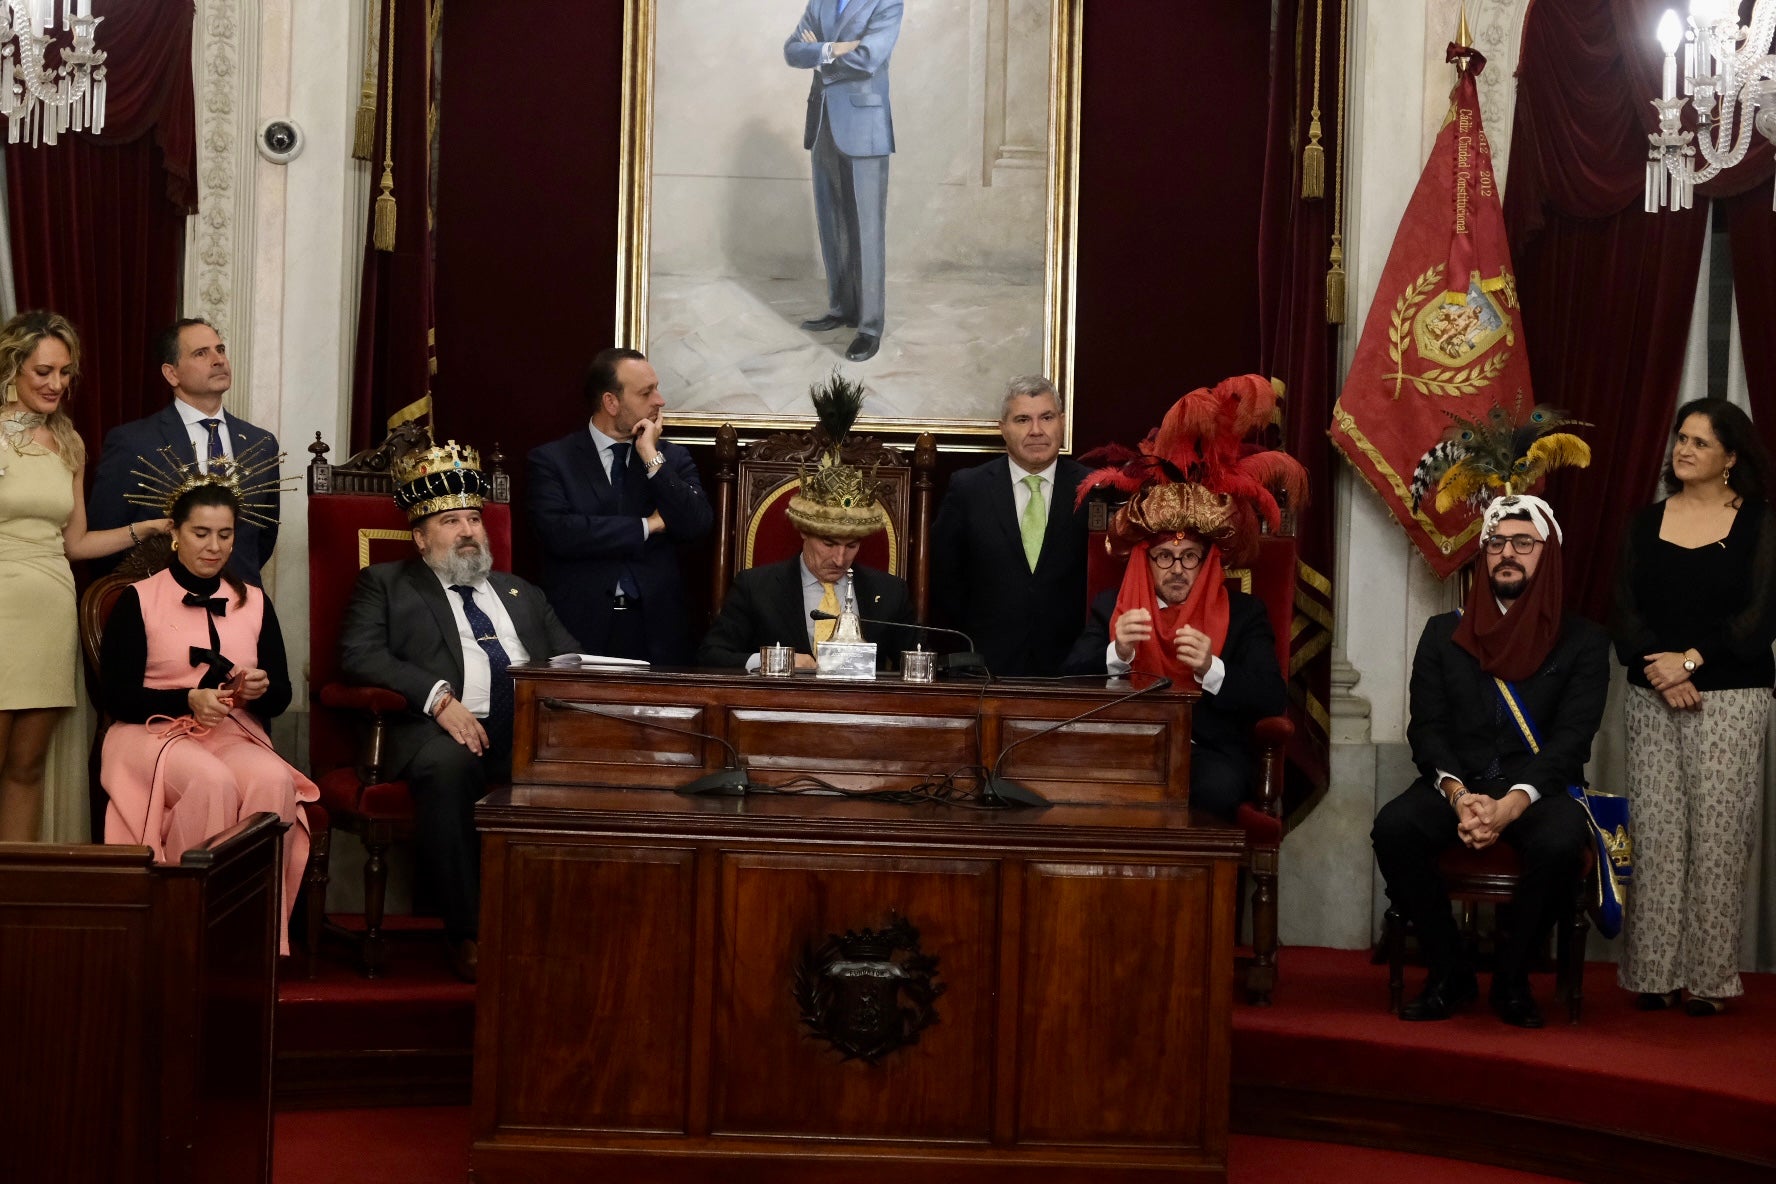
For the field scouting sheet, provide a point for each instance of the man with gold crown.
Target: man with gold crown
(1197, 492)
(443, 628)
(1505, 697)
(836, 508)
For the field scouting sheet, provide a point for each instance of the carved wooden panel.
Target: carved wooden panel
(615, 743)
(595, 986)
(772, 1076)
(831, 742)
(1116, 940)
(1120, 755)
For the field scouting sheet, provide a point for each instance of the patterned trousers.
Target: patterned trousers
(1694, 778)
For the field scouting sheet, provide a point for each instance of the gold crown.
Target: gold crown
(443, 477)
(838, 501)
(251, 476)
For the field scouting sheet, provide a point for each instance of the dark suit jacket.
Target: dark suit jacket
(1023, 622)
(765, 608)
(587, 536)
(1252, 689)
(106, 509)
(1459, 723)
(400, 633)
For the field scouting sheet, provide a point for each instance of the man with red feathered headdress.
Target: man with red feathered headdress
(1197, 493)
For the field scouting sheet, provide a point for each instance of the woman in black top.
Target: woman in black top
(1695, 617)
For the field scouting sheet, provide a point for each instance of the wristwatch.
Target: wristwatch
(1689, 666)
(651, 465)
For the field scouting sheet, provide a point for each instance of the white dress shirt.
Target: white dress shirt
(812, 595)
(200, 435)
(477, 670)
(1211, 681)
(1020, 493)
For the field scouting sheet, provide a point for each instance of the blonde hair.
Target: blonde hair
(19, 339)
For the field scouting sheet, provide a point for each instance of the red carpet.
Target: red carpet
(430, 1146)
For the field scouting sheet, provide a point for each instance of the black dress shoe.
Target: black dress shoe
(827, 323)
(1702, 1007)
(1653, 1001)
(863, 347)
(1442, 997)
(1513, 1002)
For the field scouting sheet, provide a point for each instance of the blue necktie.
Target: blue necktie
(499, 704)
(842, 4)
(214, 426)
(618, 474)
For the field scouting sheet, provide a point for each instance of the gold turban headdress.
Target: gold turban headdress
(837, 500)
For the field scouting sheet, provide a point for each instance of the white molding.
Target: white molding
(219, 241)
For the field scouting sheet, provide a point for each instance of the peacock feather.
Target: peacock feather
(837, 403)
(1496, 453)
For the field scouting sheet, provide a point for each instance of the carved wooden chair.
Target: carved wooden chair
(753, 486)
(1490, 877)
(1271, 578)
(352, 523)
(96, 604)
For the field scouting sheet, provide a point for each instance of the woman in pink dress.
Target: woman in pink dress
(192, 667)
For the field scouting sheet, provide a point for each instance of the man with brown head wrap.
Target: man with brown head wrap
(1505, 698)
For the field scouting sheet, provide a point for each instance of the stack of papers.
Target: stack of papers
(598, 660)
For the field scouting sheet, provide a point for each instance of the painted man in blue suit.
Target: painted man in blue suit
(194, 361)
(850, 131)
(610, 505)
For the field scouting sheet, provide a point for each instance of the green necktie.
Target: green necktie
(1034, 521)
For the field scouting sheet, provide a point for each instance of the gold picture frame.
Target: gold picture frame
(769, 388)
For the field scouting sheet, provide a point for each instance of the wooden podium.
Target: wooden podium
(787, 987)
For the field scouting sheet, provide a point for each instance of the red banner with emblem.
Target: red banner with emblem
(1443, 336)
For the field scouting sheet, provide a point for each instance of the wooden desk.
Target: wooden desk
(659, 999)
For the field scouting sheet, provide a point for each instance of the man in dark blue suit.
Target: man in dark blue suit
(610, 505)
(1008, 546)
(194, 361)
(850, 133)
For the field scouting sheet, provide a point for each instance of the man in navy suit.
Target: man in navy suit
(1008, 547)
(610, 505)
(194, 361)
(850, 131)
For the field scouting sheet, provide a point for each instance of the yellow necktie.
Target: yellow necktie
(829, 603)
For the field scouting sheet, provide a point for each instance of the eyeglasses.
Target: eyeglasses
(1164, 560)
(1522, 544)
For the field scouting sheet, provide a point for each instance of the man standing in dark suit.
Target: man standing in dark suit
(850, 133)
(442, 629)
(1505, 699)
(1008, 547)
(1239, 678)
(194, 361)
(610, 505)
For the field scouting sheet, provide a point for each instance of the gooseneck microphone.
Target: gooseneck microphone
(731, 780)
(1003, 792)
(967, 659)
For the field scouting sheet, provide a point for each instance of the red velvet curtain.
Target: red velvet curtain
(98, 222)
(1606, 288)
(1296, 344)
(393, 364)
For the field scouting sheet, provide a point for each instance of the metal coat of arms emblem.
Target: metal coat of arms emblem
(868, 993)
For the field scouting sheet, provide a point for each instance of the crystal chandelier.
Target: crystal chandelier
(1725, 63)
(40, 103)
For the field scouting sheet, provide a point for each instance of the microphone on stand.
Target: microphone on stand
(1003, 792)
(965, 660)
(731, 780)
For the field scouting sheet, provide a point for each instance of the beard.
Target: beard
(1512, 590)
(465, 564)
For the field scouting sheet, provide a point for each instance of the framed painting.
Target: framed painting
(886, 187)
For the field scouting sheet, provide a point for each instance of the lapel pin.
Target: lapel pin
(512, 592)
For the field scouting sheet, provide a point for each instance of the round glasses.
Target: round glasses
(1165, 561)
(1522, 544)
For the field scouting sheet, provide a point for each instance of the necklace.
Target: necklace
(17, 427)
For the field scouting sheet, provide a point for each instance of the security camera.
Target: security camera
(280, 140)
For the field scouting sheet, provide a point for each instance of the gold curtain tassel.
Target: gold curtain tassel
(385, 214)
(364, 133)
(1335, 284)
(1313, 166)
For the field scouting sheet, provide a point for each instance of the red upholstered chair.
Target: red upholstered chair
(1490, 877)
(352, 523)
(752, 491)
(1271, 578)
(96, 604)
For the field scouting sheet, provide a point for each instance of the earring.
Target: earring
(175, 544)
(1727, 475)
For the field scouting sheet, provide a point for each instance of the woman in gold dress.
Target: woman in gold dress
(42, 527)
